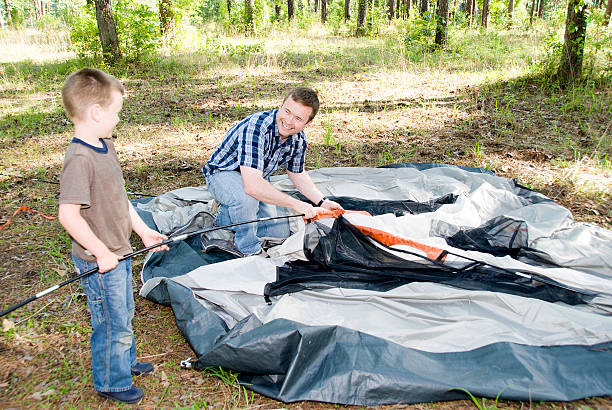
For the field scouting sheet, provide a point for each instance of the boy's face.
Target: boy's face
(292, 118)
(108, 116)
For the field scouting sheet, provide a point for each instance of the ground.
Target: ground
(176, 110)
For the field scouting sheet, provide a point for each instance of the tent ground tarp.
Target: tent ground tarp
(371, 334)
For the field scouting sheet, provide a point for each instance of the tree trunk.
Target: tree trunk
(8, 12)
(606, 20)
(468, 12)
(277, 10)
(347, 10)
(361, 15)
(423, 8)
(290, 9)
(573, 49)
(323, 11)
(442, 23)
(166, 16)
(391, 12)
(316, 5)
(533, 4)
(485, 13)
(229, 7)
(510, 10)
(249, 23)
(541, 9)
(107, 31)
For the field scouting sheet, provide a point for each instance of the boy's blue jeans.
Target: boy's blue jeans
(111, 304)
(238, 206)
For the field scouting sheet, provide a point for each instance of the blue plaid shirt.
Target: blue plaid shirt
(255, 142)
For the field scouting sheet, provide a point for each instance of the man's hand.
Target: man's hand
(107, 261)
(150, 237)
(305, 208)
(331, 205)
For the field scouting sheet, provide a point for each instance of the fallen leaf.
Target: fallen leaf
(48, 393)
(7, 325)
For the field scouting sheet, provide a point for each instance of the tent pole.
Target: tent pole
(138, 252)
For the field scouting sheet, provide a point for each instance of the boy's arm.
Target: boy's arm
(71, 219)
(149, 236)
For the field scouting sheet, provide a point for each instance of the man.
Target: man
(238, 172)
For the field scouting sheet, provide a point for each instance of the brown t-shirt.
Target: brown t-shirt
(92, 177)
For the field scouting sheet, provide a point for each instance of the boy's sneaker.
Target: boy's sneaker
(133, 395)
(142, 369)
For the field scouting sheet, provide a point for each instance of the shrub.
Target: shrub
(137, 30)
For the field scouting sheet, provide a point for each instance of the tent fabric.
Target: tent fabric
(521, 305)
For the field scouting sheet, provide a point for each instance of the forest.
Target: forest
(518, 87)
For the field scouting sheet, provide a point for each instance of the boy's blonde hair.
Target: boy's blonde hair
(87, 87)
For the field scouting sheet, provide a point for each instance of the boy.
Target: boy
(96, 213)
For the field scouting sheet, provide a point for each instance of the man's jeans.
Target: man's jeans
(111, 304)
(237, 206)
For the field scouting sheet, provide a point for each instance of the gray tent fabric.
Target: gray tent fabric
(417, 341)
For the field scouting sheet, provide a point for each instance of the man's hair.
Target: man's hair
(87, 87)
(305, 96)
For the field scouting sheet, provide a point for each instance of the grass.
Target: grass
(482, 102)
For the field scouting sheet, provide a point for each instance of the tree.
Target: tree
(533, 4)
(606, 19)
(510, 10)
(229, 6)
(107, 31)
(290, 9)
(485, 13)
(323, 11)
(361, 16)
(469, 7)
(423, 7)
(8, 12)
(166, 16)
(391, 5)
(541, 9)
(249, 22)
(347, 10)
(442, 23)
(570, 68)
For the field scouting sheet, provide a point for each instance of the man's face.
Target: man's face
(292, 118)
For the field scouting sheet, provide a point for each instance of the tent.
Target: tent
(455, 280)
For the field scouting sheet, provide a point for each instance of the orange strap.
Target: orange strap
(334, 213)
(389, 239)
(24, 208)
(383, 237)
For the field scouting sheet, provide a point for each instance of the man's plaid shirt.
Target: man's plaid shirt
(255, 142)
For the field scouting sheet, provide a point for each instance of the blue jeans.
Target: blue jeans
(237, 206)
(111, 304)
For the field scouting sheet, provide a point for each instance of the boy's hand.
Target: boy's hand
(107, 262)
(150, 237)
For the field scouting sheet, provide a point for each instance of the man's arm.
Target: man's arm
(257, 187)
(149, 236)
(305, 185)
(78, 228)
